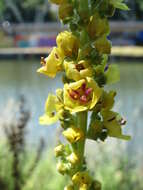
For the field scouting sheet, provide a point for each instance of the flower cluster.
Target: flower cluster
(82, 54)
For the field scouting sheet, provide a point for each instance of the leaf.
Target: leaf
(112, 74)
(122, 6)
(119, 4)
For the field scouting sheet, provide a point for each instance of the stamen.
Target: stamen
(43, 62)
(88, 91)
(83, 99)
(83, 87)
(74, 94)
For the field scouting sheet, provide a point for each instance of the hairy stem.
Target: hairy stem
(82, 124)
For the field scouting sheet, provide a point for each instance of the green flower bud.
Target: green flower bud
(103, 45)
(73, 158)
(65, 10)
(69, 187)
(58, 2)
(98, 26)
(106, 9)
(111, 10)
(62, 168)
(97, 185)
(83, 9)
(59, 150)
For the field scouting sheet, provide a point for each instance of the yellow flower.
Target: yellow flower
(65, 10)
(103, 45)
(68, 43)
(98, 26)
(78, 71)
(53, 107)
(52, 64)
(58, 2)
(81, 95)
(112, 125)
(73, 134)
(82, 178)
(73, 158)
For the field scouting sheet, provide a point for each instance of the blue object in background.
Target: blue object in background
(139, 38)
(47, 42)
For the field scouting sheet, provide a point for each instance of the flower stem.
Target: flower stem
(82, 124)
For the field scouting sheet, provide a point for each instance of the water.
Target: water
(20, 77)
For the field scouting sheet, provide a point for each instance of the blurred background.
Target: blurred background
(28, 29)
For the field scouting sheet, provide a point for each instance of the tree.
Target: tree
(25, 10)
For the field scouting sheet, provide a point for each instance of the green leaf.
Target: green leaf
(112, 74)
(121, 6)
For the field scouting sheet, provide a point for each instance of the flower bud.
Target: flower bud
(69, 187)
(83, 187)
(83, 9)
(98, 26)
(62, 168)
(82, 178)
(58, 2)
(68, 43)
(73, 134)
(59, 150)
(97, 185)
(73, 158)
(65, 10)
(103, 45)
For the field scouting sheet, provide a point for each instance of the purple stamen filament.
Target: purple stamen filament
(82, 94)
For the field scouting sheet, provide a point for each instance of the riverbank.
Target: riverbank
(117, 51)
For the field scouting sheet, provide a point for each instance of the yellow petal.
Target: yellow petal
(53, 63)
(112, 125)
(47, 120)
(97, 92)
(50, 115)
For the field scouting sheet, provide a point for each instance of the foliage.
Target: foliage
(25, 11)
(121, 171)
(19, 166)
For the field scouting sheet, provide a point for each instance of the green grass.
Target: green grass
(116, 172)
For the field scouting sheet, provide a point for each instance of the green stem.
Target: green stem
(82, 124)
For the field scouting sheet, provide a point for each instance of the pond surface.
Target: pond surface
(20, 78)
